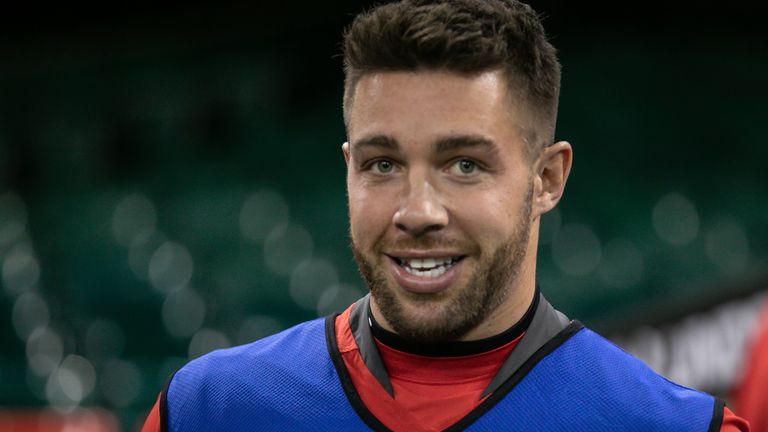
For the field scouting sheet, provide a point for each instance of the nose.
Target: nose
(420, 209)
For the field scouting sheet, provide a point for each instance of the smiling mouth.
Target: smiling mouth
(427, 267)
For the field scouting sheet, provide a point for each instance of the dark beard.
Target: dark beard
(487, 289)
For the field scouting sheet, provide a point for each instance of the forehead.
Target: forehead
(420, 106)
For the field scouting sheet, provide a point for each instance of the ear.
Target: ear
(551, 173)
(345, 150)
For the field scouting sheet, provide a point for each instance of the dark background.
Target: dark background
(171, 179)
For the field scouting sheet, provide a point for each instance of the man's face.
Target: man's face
(439, 198)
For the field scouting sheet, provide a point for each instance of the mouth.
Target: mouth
(425, 274)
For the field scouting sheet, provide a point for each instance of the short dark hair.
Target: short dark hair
(462, 36)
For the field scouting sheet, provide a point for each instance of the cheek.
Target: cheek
(370, 214)
(487, 217)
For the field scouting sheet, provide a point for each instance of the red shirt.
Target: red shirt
(430, 393)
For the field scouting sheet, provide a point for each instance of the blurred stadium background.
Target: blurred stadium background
(171, 183)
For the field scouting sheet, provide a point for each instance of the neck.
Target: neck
(456, 348)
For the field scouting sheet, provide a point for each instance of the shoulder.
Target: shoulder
(237, 387)
(286, 380)
(267, 366)
(257, 357)
(615, 381)
(604, 361)
(582, 380)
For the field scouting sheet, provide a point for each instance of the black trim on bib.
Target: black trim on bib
(164, 404)
(547, 323)
(374, 423)
(717, 416)
(346, 381)
(515, 378)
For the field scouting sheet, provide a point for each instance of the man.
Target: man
(450, 111)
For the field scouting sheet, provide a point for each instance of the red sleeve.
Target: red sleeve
(152, 424)
(733, 423)
(752, 393)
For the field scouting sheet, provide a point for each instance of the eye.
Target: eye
(465, 166)
(383, 166)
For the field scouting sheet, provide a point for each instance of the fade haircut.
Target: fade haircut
(462, 36)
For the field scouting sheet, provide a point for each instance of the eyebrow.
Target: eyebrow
(460, 142)
(442, 145)
(383, 142)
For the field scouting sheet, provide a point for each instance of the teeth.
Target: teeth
(435, 272)
(428, 267)
(428, 263)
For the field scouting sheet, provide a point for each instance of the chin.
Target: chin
(425, 318)
(425, 309)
